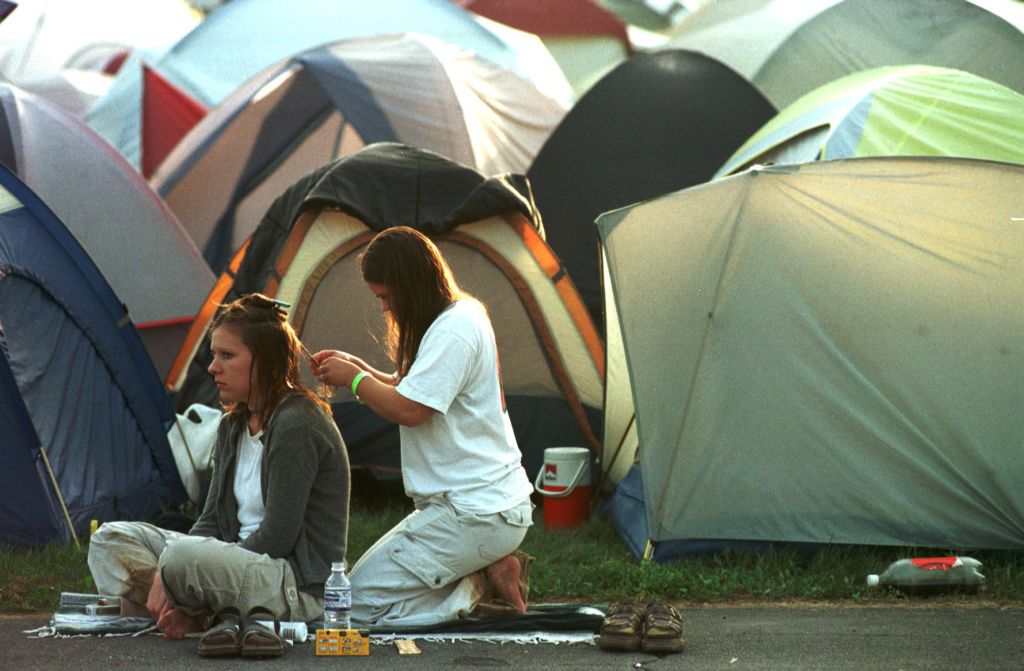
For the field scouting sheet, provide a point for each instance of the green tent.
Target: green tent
(790, 47)
(914, 110)
(827, 353)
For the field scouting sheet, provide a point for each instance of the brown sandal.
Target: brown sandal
(222, 639)
(259, 640)
(622, 627)
(663, 629)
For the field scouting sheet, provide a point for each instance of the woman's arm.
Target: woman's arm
(321, 356)
(385, 400)
(379, 395)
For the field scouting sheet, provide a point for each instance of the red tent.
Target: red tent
(167, 114)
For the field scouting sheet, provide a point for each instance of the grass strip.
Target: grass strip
(588, 564)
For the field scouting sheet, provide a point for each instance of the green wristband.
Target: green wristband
(355, 384)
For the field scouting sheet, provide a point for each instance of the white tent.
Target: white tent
(59, 49)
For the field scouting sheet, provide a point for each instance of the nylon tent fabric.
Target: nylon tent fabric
(167, 115)
(137, 243)
(788, 49)
(81, 400)
(655, 15)
(905, 110)
(242, 37)
(825, 353)
(328, 102)
(585, 39)
(65, 51)
(305, 252)
(657, 123)
(43, 37)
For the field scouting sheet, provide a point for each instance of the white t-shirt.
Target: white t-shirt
(467, 449)
(247, 487)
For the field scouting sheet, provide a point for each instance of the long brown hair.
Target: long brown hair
(262, 326)
(420, 286)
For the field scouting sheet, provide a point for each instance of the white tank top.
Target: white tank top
(248, 489)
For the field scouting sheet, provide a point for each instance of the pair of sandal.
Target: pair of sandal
(246, 636)
(656, 628)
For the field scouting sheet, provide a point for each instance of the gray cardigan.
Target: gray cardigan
(305, 480)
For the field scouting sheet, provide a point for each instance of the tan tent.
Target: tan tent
(306, 250)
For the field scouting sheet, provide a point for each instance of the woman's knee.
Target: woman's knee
(113, 532)
(117, 539)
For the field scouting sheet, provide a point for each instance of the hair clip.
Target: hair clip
(280, 305)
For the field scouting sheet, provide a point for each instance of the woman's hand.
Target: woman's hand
(336, 369)
(157, 602)
(316, 360)
(171, 621)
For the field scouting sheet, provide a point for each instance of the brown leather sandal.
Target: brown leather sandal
(663, 629)
(223, 638)
(622, 627)
(259, 640)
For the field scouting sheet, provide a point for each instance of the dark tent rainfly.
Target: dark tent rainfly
(657, 123)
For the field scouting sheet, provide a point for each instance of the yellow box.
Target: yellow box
(342, 642)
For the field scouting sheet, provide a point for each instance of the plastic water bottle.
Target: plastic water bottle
(931, 575)
(338, 598)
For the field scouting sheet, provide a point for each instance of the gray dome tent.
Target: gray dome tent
(825, 353)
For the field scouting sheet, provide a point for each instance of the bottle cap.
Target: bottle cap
(873, 580)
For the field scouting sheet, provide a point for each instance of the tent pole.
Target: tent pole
(605, 470)
(188, 451)
(60, 497)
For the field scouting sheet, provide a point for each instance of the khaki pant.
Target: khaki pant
(419, 573)
(201, 575)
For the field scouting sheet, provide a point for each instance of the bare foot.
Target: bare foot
(504, 575)
(175, 624)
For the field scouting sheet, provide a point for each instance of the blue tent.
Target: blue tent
(83, 416)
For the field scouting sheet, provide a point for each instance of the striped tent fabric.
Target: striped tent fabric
(328, 102)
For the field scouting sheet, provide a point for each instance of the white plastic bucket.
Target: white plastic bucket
(564, 482)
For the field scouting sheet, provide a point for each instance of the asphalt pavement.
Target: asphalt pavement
(911, 636)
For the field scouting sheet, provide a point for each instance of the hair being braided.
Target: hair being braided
(262, 325)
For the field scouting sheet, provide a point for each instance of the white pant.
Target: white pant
(419, 572)
(201, 575)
